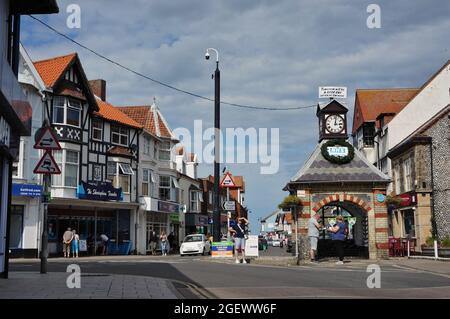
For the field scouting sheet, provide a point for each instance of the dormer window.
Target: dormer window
(164, 151)
(119, 135)
(67, 111)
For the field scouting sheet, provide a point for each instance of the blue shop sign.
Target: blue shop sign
(31, 190)
(99, 191)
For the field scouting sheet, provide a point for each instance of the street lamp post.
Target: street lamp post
(216, 201)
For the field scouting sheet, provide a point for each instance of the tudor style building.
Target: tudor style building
(338, 180)
(96, 190)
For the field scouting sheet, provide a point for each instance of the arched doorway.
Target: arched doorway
(356, 218)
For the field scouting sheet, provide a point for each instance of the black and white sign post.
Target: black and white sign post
(228, 182)
(46, 140)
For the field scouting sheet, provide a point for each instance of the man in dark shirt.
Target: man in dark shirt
(239, 231)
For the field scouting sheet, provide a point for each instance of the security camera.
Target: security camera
(207, 55)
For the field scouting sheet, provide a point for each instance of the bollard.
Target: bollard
(435, 250)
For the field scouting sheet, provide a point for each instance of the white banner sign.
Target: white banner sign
(251, 246)
(338, 151)
(337, 92)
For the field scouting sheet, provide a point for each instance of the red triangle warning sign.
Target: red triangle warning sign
(227, 181)
(47, 165)
(47, 140)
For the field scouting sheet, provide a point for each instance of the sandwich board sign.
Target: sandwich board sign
(227, 181)
(47, 165)
(47, 140)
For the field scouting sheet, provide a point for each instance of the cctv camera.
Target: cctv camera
(207, 55)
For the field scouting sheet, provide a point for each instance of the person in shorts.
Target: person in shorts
(239, 232)
(313, 234)
(67, 239)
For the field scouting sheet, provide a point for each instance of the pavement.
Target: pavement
(206, 277)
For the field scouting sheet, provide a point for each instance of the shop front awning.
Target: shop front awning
(91, 204)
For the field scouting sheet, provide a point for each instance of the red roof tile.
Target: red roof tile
(52, 69)
(150, 118)
(371, 103)
(111, 113)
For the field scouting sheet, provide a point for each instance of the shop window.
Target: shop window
(16, 227)
(409, 224)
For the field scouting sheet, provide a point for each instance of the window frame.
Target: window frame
(165, 151)
(93, 129)
(120, 134)
(193, 201)
(66, 106)
(118, 177)
(63, 163)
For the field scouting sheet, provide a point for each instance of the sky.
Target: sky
(272, 53)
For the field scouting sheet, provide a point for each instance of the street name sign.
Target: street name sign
(47, 165)
(337, 92)
(229, 205)
(227, 181)
(47, 140)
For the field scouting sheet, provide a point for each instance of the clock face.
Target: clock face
(334, 124)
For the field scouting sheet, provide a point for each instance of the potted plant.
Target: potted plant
(290, 202)
(443, 247)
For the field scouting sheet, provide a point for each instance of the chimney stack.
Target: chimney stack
(98, 87)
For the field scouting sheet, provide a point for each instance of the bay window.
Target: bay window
(68, 162)
(66, 111)
(164, 151)
(168, 188)
(119, 135)
(119, 174)
(148, 182)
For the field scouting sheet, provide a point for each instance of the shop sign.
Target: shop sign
(30, 190)
(104, 191)
(251, 246)
(5, 130)
(167, 207)
(222, 249)
(407, 200)
(174, 218)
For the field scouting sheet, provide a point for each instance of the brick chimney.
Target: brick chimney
(98, 87)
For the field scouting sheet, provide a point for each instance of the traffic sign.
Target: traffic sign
(47, 165)
(227, 181)
(229, 205)
(47, 140)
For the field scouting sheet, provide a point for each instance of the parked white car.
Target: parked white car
(194, 245)
(276, 243)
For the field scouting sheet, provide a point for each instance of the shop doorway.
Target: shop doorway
(357, 240)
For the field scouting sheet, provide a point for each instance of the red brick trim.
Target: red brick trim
(381, 215)
(381, 230)
(382, 245)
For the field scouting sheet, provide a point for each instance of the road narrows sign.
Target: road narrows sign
(227, 181)
(47, 165)
(47, 140)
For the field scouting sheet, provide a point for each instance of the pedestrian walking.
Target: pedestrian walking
(164, 243)
(239, 231)
(313, 234)
(153, 241)
(338, 236)
(105, 241)
(75, 244)
(67, 239)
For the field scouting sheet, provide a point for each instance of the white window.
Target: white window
(67, 111)
(148, 182)
(164, 151)
(67, 161)
(116, 175)
(200, 196)
(194, 201)
(168, 188)
(119, 135)
(97, 173)
(407, 170)
(147, 145)
(397, 178)
(125, 169)
(97, 129)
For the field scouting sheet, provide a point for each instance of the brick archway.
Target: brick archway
(347, 198)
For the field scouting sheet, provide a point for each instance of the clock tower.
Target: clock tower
(332, 121)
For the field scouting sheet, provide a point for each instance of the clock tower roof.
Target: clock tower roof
(332, 106)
